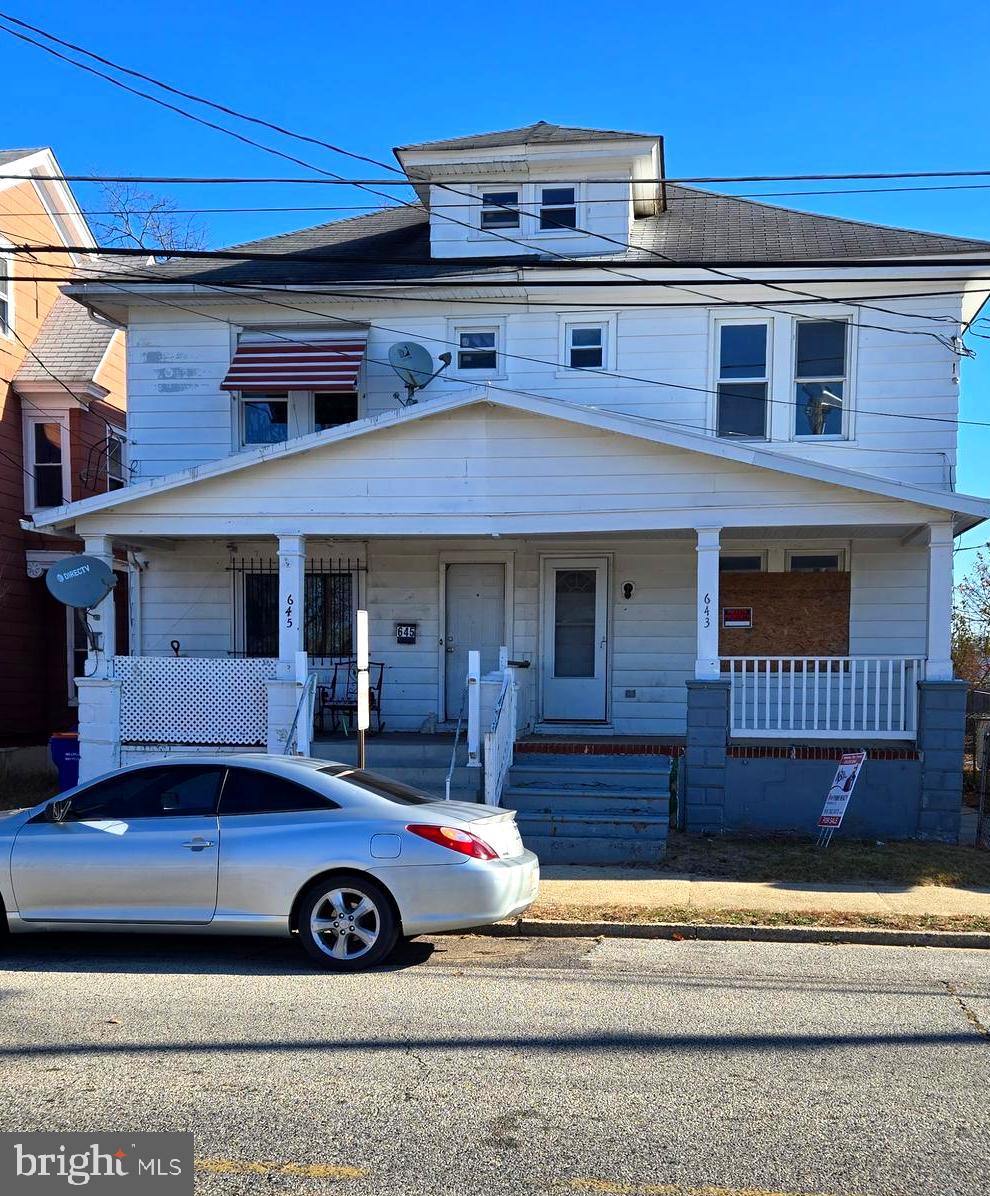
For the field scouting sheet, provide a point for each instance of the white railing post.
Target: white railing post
(291, 603)
(707, 665)
(500, 739)
(474, 709)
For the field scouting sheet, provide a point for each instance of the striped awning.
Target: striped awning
(310, 363)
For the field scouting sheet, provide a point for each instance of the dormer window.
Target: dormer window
(499, 209)
(558, 208)
(478, 349)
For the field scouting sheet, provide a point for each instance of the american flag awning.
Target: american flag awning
(310, 363)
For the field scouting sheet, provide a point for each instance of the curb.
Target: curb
(534, 928)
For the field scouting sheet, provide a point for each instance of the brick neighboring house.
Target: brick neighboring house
(62, 400)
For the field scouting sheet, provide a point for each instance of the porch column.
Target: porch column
(706, 665)
(291, 604)
(102, 617)
(939, 666)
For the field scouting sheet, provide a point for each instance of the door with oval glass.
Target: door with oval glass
(575, 639)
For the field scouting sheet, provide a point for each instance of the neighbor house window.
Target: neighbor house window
(741, 564)
(6, 296)
(116, 479)
(77, 643)
(46, 464)
(477, 349)
(558, 208)
(743, 379)
(585, 346)
(819, 377)
(328, 630)
(499, 209)
(265, 419)
(332, 408)
(815, 562)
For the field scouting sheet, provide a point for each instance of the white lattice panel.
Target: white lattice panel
(185, 699)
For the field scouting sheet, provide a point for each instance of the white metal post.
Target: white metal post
(474, 709)
(363, 694)
(102, 618)
(291, 604)
(939, 667)
(706, 665)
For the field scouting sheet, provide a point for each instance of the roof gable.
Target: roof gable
(541, 132)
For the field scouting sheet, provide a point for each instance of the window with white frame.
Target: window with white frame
(754, 562)
(265, 419)
(558, 208)
(277, 417)
(499, 209)
(820, 351)
(46, 463)
(6, 295)
(77, 648)
(477, 349)
(742, 378)
(816, 562)
(116, 477)
(585, 346)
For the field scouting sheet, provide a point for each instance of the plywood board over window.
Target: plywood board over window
(794, 614)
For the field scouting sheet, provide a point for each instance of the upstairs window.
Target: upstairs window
(820, 377)
(265, 419)
(116, 479)
(743, 380)
(6, 296)
(45, 464)
(477, 349)
(585, 346)
(332, 408)
(499, 209)
(558, 208)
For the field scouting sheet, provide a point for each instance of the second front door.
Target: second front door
(475, 605)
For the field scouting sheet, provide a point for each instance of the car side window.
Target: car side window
(254, 791)
(170, 792)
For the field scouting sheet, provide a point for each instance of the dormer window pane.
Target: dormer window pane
(557, 208)
(743, 380)
(498, 209)
(266, 420)
(46, 465)
(586, 347)
(477, 349)
(819, 377)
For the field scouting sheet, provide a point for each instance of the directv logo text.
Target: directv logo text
(70, 573)
(144, 1164)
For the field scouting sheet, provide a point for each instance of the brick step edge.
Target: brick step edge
(536, 928)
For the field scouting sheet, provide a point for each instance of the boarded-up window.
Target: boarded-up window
(794, 614)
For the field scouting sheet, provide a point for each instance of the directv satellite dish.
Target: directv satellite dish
(80, 581)
(414, 365)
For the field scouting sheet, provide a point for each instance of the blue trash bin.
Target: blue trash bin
(64, 748)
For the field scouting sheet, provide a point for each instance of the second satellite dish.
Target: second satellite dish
(414, 365)
(80, 581)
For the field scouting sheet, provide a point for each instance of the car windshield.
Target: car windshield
(373, 782)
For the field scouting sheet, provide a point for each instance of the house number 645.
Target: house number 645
(289, 603)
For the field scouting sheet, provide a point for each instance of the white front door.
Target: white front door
(575, 639)
(475, 606)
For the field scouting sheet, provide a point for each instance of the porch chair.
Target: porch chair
(339, 697)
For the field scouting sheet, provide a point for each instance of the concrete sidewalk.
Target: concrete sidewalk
(565, 886)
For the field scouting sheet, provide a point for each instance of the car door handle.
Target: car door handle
(198, 844)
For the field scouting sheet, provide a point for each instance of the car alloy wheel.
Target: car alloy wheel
(347, 925)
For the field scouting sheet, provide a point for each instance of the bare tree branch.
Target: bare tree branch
(146, 221)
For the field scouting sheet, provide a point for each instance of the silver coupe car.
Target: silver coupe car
(347, 860)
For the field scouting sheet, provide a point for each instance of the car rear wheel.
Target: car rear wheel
(347, 924)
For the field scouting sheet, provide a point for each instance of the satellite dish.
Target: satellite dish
(414, 365)
(80, 581)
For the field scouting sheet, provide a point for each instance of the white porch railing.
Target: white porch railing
(824, 696)
(193, 700)
(500, 739)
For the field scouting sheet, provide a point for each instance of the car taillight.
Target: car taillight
(456, 840)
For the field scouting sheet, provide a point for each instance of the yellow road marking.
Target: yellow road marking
(305, 1170)
(607, 1188)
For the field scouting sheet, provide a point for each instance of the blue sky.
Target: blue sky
(779, 88)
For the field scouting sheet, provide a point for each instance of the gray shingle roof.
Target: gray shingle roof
(12, 155)
(697, 227)
(539, 133)
(71, 344)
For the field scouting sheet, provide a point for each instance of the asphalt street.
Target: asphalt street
(483, 1065)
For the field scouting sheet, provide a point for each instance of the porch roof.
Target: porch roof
(470, 463)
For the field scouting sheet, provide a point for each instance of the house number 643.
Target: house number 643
(707, 614)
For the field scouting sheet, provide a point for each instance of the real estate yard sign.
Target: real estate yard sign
(837, 802)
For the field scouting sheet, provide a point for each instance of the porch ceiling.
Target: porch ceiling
(476, 465)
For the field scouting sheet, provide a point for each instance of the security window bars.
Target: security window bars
(498, 209)
(819, 377)
(558, 208)
(477, 349)
(743, 380)
(330, 599)
(586, 346)
(266, 419)
(46, 464)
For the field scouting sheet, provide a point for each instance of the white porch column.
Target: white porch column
(99, 664)
(939, 666)
(706, 665)
(291, 604)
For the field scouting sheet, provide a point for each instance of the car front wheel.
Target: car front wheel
(347, 924)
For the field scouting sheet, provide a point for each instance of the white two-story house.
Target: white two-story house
(690, 468)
